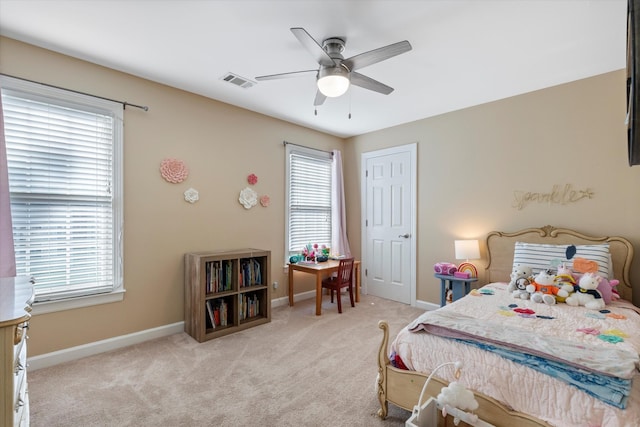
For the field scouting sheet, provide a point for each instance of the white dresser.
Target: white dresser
(16, 297)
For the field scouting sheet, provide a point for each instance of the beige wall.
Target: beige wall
(469, 164)
(220, 143)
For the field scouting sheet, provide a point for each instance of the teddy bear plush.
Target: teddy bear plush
(586, 293)
(543, 288)
(520, 279)
(564, 280)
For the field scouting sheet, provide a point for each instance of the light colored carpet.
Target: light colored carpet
(298, 370)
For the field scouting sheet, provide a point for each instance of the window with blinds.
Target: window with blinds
(308, 198)
(64, 163)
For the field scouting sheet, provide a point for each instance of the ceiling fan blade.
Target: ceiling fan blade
(320, 98)
(319, 54)
(369, 83)
(373, 56)
(286, 75)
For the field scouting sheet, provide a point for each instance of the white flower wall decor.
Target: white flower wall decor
(191, 195)
(248, 198)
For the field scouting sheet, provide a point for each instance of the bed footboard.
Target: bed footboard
(383, 362)
(402, 388)
(398, 386)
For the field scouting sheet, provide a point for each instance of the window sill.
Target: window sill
(79, 302)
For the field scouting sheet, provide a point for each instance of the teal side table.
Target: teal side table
(459, 286)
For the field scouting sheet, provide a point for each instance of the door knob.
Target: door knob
(405, 235)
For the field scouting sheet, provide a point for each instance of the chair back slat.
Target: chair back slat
(345, 270)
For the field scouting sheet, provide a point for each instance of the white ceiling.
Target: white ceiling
(464, 53)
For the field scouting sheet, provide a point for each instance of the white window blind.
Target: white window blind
(309, 198)
(64, 163)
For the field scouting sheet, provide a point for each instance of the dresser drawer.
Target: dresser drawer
(20, 374)
(20, 343)
(16, 296)
(21, 408)
(20, 333)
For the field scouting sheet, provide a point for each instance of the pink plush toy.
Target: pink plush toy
(608, 290)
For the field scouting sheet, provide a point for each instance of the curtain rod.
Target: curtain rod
(285, 143)
(124, 103)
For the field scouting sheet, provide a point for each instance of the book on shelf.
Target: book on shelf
(211, 315)
(223, 313)
(255, 306)
(216, 316)
(219, 276)
(250, 272)
(212, 276)
(249, 306)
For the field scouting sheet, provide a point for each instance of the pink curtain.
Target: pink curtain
(339, 241)
(7, 254)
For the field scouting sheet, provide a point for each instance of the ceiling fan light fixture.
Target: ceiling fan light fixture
(333, 82)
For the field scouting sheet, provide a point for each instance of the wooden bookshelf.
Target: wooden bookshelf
(226, 291)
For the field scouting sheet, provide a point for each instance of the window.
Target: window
(308, 198)
(64, 154)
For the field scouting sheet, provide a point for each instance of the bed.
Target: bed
(510, 393)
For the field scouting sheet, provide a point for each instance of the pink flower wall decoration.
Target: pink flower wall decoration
(252, 179)
(173, 170)
(265, 201)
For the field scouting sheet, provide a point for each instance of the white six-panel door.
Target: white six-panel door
(388, 249)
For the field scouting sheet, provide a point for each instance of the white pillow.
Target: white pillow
(538, 256)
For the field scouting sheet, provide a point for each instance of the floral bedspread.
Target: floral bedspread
(596, 351)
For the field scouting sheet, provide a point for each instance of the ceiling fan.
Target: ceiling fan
(336, 73)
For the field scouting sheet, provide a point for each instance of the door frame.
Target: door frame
(412, 148)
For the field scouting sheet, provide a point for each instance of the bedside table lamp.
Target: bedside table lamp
(467, 249)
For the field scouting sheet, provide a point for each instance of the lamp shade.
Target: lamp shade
(467, 249)
(333, 82)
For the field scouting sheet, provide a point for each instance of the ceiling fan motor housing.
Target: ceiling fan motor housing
(334, 47)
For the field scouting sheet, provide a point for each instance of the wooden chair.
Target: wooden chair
(344, 279)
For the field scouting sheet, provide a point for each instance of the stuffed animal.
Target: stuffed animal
(520, 279)
(586, 293)
(543, 288)
(565, 281)
(607, 289)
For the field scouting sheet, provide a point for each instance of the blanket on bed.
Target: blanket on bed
(596, 351)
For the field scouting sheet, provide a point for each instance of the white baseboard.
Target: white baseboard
(78, 352)
(278, 302)
(427, 306)
(90, 349)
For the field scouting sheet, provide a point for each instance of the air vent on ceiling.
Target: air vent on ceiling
(237, 80)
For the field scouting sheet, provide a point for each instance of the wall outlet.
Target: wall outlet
(275, 285)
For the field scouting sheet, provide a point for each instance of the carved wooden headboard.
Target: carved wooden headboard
(500, 247)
